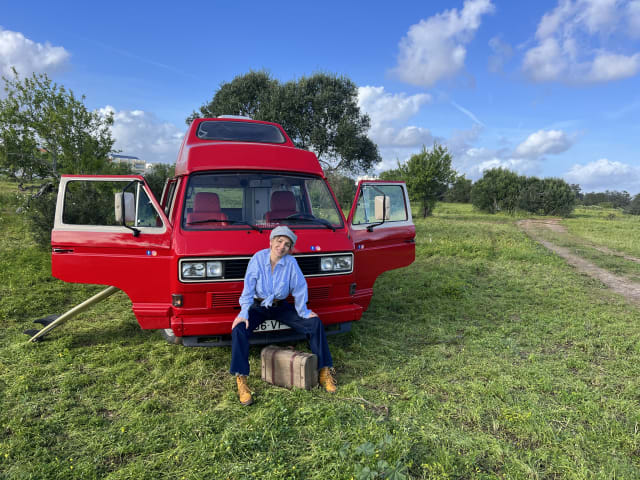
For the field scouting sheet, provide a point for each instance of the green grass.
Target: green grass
(488, 357)
(615, 263)
(608, 227)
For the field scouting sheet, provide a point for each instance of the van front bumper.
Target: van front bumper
(186, 324)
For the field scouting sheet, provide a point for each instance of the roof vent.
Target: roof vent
(239, 117)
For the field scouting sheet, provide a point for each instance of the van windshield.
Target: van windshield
(223, 201)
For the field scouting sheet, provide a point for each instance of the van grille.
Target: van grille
(235, 269)
(231, 299)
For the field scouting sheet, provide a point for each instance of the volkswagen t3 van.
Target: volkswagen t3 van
(181, 259)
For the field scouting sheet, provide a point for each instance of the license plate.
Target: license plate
(270, 326)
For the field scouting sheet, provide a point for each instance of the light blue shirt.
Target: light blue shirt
(260, 282)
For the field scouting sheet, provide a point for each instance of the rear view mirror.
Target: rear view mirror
(382, 204)
(129, 207)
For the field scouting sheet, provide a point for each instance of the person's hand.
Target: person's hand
(238, 320)
(312, 314)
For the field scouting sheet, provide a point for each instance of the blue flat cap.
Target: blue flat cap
(283, 231)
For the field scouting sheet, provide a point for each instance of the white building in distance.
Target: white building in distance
(138, 165)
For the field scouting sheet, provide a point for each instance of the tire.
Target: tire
(171, 337)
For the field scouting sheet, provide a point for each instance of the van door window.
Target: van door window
(93, 202)
(374, 198)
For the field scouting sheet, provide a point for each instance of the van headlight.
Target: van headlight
(193, 269)
(338, 263)
(214, 269)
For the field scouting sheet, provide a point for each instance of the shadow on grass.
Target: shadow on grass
(121, 334)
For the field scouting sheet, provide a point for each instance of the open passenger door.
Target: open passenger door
(110, 230)
(383, 233)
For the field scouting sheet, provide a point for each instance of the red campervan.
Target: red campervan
(181, 260)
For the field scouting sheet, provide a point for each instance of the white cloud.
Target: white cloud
(528, 158)
(435, 48)
(389, 112)
(570, 42)
(27, 56)
(143, 135)
(386, 107)
(475, 161)
(610, 66)
(604, 174)
(543, 142)
(502, 52)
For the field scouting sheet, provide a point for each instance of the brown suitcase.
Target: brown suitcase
(288, 368)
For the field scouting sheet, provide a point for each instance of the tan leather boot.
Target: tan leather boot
(243, 390)
(326, 380)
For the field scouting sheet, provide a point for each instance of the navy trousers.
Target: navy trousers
(287, 314)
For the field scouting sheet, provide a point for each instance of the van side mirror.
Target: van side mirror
(382, 207)
(128, 204)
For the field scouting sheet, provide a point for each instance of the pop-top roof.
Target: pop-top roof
(241, 144)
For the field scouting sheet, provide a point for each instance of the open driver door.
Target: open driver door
(383, 233)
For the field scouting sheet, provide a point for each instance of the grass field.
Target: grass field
(487, 358)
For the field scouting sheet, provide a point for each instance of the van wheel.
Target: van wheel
(171, 337)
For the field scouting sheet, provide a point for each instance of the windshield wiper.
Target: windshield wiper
(233, 222)
(306, 217)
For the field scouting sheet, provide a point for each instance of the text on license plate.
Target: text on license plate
(271, 325)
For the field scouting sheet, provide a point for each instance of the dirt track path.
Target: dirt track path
(620, 285)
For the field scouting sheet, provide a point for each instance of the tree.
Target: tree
(613, 199)
(45, 130)
(319, 113)
(503, 190)
(634, 206)
(497, 190)
(558, 198)
(344, 187)
(577, 190)
(395, 174)
(459, 191)
(428, 175)
(252, 95)
(157, 177)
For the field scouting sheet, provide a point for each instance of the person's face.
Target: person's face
(280, 246)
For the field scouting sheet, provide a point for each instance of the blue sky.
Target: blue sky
(547, 88)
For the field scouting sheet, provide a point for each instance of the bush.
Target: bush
(558, 198)
(503, 190)
(634, 207)
(39, 211)
(459, 191)
(497, 190)
(157, 177)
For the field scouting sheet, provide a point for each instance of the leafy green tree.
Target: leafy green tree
(428, 175)
(503, 190)
(634, 206)
(459, 191)
(608, 198)
(530, 197)
(497, 190)
(45, 130)
(344, 187)
(157, 177)
(558, 198)
(252, 94)
(395, 174)
(577, 190)
(319, 113)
